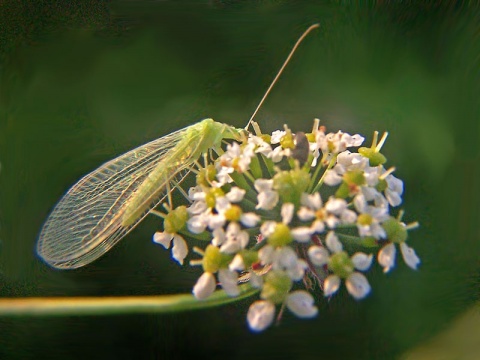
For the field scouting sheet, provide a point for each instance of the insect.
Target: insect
(101, 208)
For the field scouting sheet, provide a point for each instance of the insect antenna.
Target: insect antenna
(300, 39)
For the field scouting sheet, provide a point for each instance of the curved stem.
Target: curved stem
(67, 306)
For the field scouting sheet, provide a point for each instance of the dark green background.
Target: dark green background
(85, 81)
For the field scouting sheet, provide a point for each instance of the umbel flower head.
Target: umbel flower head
(287, 212)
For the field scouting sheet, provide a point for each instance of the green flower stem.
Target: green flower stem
(66, 306)
(204, 236)
(269, 165)
(320, 182)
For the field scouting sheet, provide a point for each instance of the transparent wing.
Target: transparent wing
(86, 222)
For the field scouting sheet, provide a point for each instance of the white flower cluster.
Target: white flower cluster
(286, 209)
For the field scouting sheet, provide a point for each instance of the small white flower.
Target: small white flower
(301, 303)
(198, 223)
(236, 157)
(283, 258)
(260, 315)
(236, 239)
(261, 146)
(337, 142)
(205, 286)
(180, 248)
(370, 218)
(277, 135)
(278, 153)
(387, 254)
(356, 283)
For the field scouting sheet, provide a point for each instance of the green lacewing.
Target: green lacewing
(103, 206)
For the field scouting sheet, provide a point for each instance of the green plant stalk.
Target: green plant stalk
(79, 306)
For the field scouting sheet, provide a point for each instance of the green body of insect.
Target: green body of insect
(197, 140)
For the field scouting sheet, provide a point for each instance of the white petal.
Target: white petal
(332, 178)
(197, 207)
(250, 219)
(286, 257)
(235, 194)
(318, 255)
(368, 193)
(318, 226)
(362, 261)
(315, 201)
(266, 254)
(301, 303)
(197, 224)
(331, 285)
(267, 228)
(357, 285)
(218, 237)
(229, 281)
(386, 257)
(332, 221)
(180, 249)
(360, 203)
(393, 197)
(263, 185)
(287, 212)
(357, 140)
(333, 244)
(256, 280)
(260, 315)
(205, 286)
(222, 204)
(335, 206)
(267, 200)
(163, 239)
(302, 233)
(216, 221)
(237, 263)
(305, 214)
(297, 272)
(409, 256)
(348, 216)
(277, 135)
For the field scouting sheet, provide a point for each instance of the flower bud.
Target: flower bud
(341, 264)
(175, 220)
(276, 287)
(281, 235)
(291, 185)
(396, 231)
(375, 158)
(213, 260)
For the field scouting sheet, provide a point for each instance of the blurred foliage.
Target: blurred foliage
(84, 81)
